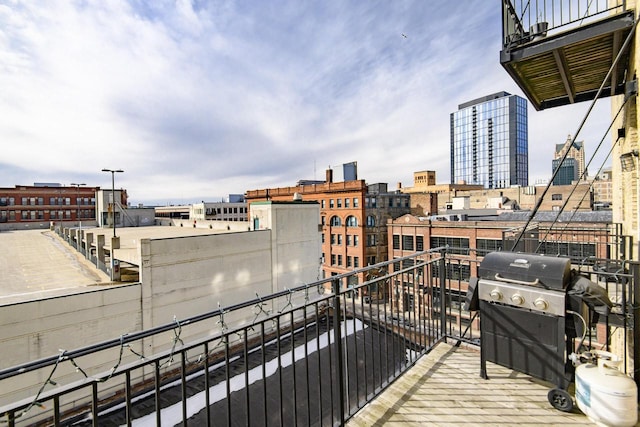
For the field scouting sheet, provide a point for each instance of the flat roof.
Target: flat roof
(38, 264)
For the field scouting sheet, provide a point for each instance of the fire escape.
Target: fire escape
(560, 53)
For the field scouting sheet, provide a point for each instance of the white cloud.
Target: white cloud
(198, 100)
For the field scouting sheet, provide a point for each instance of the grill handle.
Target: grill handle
(517, 282)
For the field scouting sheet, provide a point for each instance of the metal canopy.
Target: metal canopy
(569, 67)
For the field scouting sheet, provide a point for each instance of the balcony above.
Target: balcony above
(561, 57)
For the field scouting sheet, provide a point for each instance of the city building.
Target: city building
(489, 142)
(38, 205)
(428, 199)
(573, 168)
(602, 189)
(353, 216)
(218, 211)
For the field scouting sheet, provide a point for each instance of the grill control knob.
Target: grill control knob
(496, 295)
(517, 299)
(541, 304)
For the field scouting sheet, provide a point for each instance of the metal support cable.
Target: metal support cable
(625, 45)
(575, 186)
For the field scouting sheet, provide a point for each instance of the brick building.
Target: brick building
(353, 218)
(36, 206)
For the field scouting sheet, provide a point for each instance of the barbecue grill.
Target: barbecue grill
(523, 301)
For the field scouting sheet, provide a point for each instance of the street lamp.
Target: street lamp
(113, 197)
(78, 203)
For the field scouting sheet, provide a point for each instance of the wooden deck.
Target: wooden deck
(445, 388)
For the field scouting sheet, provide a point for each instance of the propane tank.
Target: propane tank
(604, 394)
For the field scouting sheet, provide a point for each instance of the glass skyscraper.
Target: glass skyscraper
(489, 142)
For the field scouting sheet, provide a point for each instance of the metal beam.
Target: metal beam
(561, 63)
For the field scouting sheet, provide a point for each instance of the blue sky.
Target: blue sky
(199, 99)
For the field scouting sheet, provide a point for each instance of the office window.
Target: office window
(457, 245)
(419, 243)
(339, 239)
(352, 221)
(349, 241)
(340, 260)
(407, 243)
(335, 221)
(348, 261)
(396, 242)
(356, 262)
(333, 259)
(323, 203)
(488, 245)
(330, 203)
(333, 239)
(346, 202)
(355, 202)
(339, 203)
(356, 240)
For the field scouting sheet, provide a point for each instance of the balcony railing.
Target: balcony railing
(311, 355)
(526, 20)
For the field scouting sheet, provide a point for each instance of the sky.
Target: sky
(196, 100)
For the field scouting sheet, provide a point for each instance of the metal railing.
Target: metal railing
(524, 20)
(310, 355)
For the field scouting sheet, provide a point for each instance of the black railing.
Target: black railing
(329, 348)
(310, 355)
(526, 20)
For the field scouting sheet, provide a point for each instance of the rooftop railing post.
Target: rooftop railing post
(337, 337)
(442, 276)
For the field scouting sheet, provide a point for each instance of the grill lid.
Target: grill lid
(527, 269)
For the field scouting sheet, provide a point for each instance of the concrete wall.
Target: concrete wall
(37, 329)
(180, 277)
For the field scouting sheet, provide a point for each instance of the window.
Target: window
(371, 240)
(485, 246)
(396, 242)
(407, 243)
(457, 245)
(356, 240)
(352, 221)
(335, 221)
(323, 203)
(346, 202)
(67, 201)
(371, 221)
(340, 260)
(333, 259)
(24, 201)
(12, 201)
(323, 238)
(348, 261)
(339, 203)
(323, 220)
(556, 197)
(330, 203)
(348, 239)
(356, 262)
(25, 214)
(371, 260)
(40, 200)
(339, 239)
(355, 202)
(32, 201)
(333, 239)
(419, 243)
